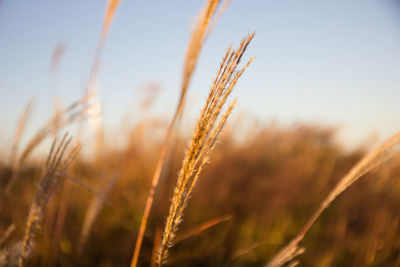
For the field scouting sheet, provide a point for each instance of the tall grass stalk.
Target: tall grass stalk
(94, 112)
(195, 44)
(208, 128)
(372, 160)
(94, 115)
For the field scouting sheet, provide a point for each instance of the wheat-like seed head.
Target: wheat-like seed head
(53, 171)
(207, 130)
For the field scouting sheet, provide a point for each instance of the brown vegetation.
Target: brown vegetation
(269, 186)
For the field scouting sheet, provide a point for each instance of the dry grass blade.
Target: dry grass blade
(58, 52)
(112, 6)
(209, 125)
(247, 250)
(94, 209)
(370, 161)
(156, 241)
(7, 235)
(215, 20)
(83, 185)
(20, 130)
(59, 120)
(287, 254)
(202, 227)
(54, 170)
(94, 112)
(150, 92)
(196, 43)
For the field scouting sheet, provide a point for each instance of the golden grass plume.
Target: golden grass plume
(207, 130)
(370, 161)
(54, 171)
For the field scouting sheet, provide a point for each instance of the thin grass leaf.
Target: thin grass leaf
(95, 207)
(20, 131)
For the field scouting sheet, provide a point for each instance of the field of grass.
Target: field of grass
(220, 194)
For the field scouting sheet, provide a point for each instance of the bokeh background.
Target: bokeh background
(323, 91)
(332, 62)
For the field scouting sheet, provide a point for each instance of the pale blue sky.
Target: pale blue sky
(331, 62)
